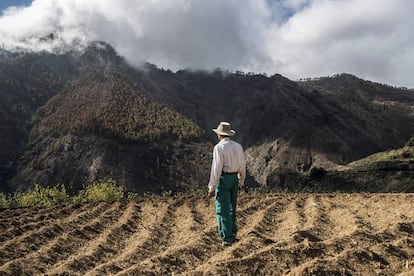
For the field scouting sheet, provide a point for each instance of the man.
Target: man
(228, 171)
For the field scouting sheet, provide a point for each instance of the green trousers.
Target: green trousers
(226, 199)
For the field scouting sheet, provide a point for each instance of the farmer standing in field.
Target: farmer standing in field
(228, 172)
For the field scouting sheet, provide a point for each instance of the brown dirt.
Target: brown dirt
(280, 234)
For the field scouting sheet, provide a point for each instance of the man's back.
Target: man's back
(228, 157)
(232, 153)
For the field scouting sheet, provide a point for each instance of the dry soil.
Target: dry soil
(279, 234)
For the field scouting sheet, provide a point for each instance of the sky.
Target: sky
(372, 39)
(7, 3)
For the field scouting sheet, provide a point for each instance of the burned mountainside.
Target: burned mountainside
(100, 126)
(27, 81)
(77, 117)
(289, 127)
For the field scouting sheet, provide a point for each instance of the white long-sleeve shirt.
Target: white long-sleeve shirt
(228, 156)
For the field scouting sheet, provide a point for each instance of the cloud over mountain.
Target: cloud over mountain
(297, 38)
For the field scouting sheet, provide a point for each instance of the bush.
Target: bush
(48, 196)
(100, 191)
(410, 142)
(4, 202)
(317, 172)
(41, 196)
(132, 196)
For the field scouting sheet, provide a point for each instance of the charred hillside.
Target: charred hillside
(27, 81)
(101, 126)
(78, 117)
(289, 126)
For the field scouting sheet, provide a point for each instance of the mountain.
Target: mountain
(289, 126)
(81, 116)
(27, 81)
(99, 126)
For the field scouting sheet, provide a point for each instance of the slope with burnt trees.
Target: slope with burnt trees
(150, 129)
(101, 126)
(27, 81)
(290, 127)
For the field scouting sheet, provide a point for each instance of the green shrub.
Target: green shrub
(166, 193)
(48, 196)
(4, 202)
(132, 196)
(150, 195)
(410, 142)
(100, 191)
(41, 196)
(57, 194)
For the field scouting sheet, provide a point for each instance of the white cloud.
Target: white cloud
(295, 5)
(297, 38)
(174, 34)
(362, 37)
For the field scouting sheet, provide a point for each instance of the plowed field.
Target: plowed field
(279, 234)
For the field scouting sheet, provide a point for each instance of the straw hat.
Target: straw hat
(224, 128)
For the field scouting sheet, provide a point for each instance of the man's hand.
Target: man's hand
(211, 193)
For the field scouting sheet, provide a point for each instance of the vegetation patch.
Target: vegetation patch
(4, 202)
(317, 173)
(100, 191)
(40, 196)
(401, 154)
(106, 190)
(112, 107)
(410, 142)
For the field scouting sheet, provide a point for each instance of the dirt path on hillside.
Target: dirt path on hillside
(280, 234)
